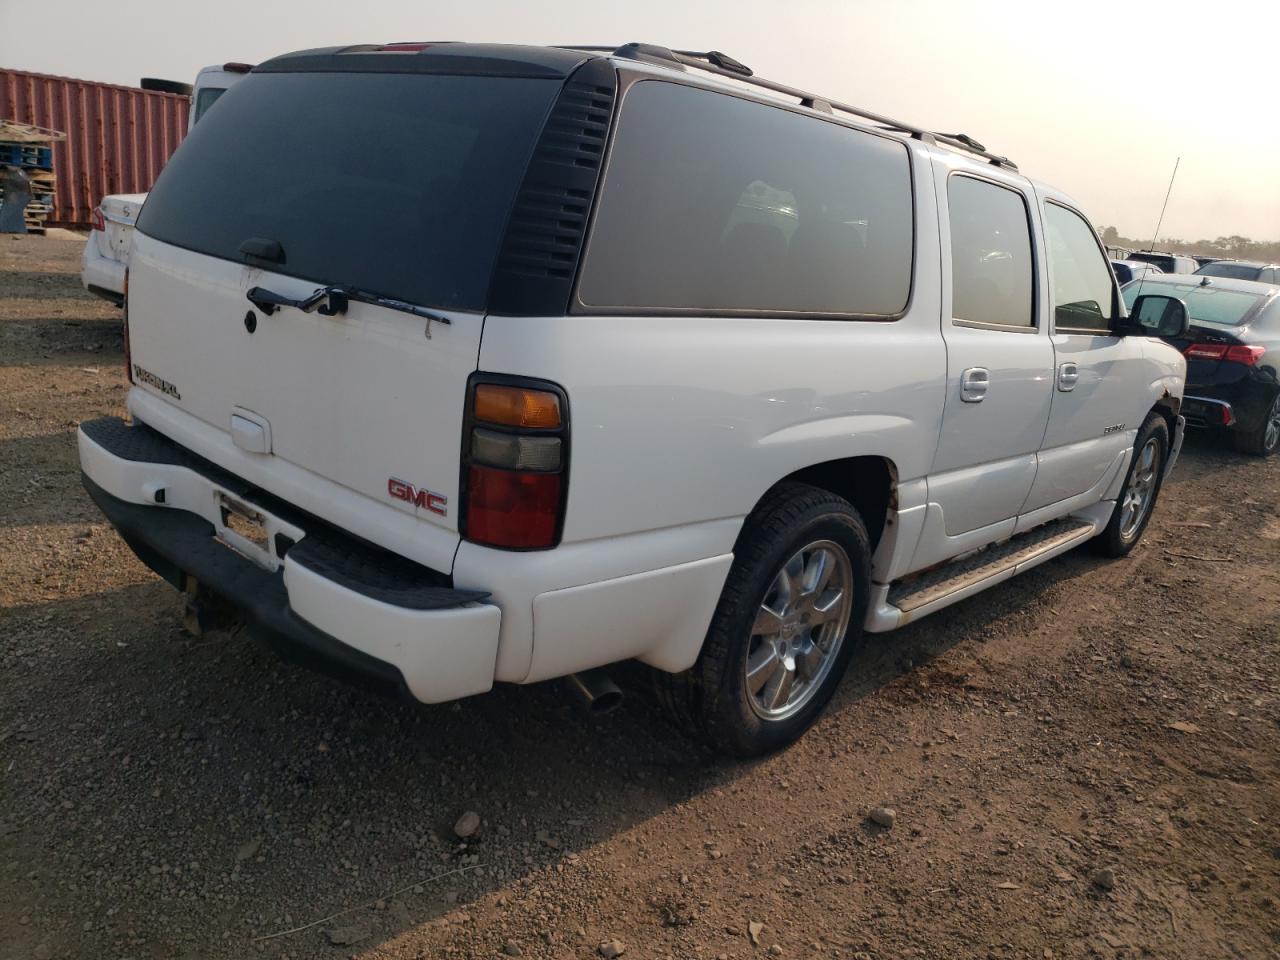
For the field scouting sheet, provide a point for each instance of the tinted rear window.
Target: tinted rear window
(397, 183)
(711, 202)
(1203, 303)
(1234, 271)
(1163, 262)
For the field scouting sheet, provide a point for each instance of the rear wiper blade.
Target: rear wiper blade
(332, 301)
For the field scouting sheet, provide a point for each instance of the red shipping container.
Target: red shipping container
(118, 138)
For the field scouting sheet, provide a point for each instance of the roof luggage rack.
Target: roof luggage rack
(713, 61)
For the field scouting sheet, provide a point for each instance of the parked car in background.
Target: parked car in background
(1168, 262)
(1242, 270)
(1127, 271)
(106, 252)
(1202, 260)
(1233, 352)
(609, 359)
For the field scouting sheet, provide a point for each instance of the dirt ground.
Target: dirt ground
(164, 797)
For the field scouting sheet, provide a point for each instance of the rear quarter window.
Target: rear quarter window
(713, 203)
(400, 184)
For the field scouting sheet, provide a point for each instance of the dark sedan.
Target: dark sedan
(1233, 352)
(1241, 270)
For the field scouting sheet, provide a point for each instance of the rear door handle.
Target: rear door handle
(973, 384)
(1068, 376)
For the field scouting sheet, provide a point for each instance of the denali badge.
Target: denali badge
(407, 492)
(151, 380)
(1114, 428)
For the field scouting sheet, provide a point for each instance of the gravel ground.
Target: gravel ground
(1081, 763)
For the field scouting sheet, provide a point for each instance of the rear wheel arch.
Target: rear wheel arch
(869, 483)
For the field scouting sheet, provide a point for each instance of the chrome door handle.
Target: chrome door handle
(973, 384)
(1068, 376)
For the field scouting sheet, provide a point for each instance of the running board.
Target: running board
(913, 597)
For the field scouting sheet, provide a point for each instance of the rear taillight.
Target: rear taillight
(514, 463)
(1249, 355)
(98, 221)
(124, 305)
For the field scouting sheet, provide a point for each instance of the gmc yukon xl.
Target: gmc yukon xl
(455, 364)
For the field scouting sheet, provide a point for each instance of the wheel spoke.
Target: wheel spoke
(779, 687)
(817, 573)
(809, 660)
(762, 665)
(793, 576)
(767, 624)
(829, 607)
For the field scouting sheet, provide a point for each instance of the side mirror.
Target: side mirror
(1154, 315)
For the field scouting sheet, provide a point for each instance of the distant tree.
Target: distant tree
(1111, 236)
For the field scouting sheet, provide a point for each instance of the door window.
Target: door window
(1083, 291)
(992, 279)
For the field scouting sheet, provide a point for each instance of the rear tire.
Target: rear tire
(788, 621)
(1140, 492)
(1264, 440)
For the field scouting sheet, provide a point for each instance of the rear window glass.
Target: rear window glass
(711, 202)
(400, 184)
(1203, 303)
(1233, 271)
(205, 99)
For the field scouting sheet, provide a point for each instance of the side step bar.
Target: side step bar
(913, 597)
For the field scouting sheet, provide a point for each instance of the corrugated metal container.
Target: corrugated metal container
(118, 138)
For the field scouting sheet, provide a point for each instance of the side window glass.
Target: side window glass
(715, 203)
(1082, 288)
(992, 278)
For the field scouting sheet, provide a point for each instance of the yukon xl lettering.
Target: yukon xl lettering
(725, 376)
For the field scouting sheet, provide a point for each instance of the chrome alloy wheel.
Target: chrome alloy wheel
(1138, 496)
(1271, 437)
(798, 629)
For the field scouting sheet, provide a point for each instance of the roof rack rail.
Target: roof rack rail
(713, 61)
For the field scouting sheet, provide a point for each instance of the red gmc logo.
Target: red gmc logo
(419, 498)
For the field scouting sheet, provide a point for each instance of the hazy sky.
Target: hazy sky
(1096, 98)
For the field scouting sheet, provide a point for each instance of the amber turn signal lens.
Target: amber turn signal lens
(516, 406)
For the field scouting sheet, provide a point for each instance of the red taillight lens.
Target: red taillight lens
(1206, 351)
(515, 455)
(508, 508)
(1241, 353)
(99, 223)
(1248, 355)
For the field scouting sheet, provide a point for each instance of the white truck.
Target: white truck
(455, 364)
(106, 252)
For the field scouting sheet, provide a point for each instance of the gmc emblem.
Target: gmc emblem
(419, 498)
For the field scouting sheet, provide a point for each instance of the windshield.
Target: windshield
(1203, 303)
(1235, 271)
(205, 99)
(1163, 261)
(400, 184)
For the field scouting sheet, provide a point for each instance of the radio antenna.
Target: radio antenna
(1160, 222)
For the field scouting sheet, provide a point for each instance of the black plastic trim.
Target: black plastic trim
(175, 542)
(541, 248)
(349, 561)
(446, 58)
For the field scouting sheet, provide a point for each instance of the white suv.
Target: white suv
(455, 364)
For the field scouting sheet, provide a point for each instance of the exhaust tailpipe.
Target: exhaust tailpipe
(593, 689)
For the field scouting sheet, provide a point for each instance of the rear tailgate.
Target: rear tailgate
(390, 183)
